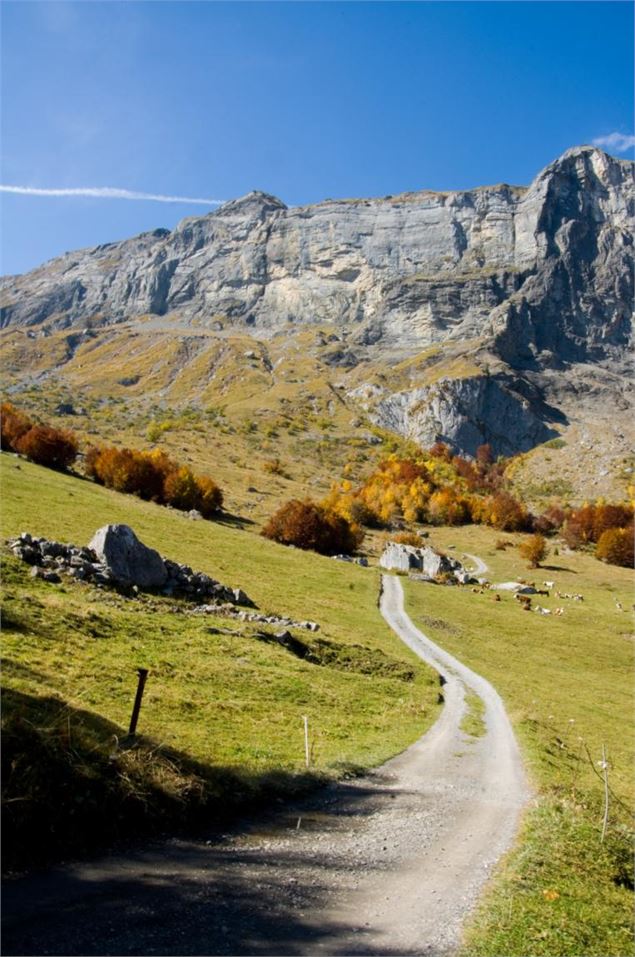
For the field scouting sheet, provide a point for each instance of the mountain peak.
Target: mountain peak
(256, 201)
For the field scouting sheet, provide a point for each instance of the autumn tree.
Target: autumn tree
(505, 512)
(308, 525)
(210, 496)
(47, 446)
(13, 425)
(180, 489)
(153, 475)
(615, 546)
(534, 550)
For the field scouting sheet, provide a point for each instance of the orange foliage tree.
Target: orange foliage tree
(13, 425)
(153, 475)
(615, 546)
(308, 525)
(47, 446)
(534, 550)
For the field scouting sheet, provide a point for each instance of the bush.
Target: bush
(573, 534)
(153, 475)
(534, 550)
(180, 489)
(210, 496)
(408, 538)
(273, 466)
(13, 425)
(610, 516)
(506, 513)
(47, 446)
(615, 546)
(310, 526)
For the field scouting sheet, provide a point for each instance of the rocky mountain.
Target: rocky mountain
(484, 315)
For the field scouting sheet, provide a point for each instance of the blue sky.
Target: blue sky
(303, 100)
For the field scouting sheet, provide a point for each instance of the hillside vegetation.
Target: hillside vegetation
(232, 406)
(221, 723)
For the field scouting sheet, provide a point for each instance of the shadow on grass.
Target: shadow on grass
(234, 893)
(558, 568)
(70, 787)
(233, 521)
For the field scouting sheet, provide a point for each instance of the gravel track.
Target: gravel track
(480, 567)
(386, 864)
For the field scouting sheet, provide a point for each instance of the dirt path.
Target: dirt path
(480, 567)
(387, 864)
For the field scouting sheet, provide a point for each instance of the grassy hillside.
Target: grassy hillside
(221, 721)
(228, 404)
(567, 683)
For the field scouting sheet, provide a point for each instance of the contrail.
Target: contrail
(108, 192)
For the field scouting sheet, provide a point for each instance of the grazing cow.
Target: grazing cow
(541, 610)
(542, 591)
(549, 584)
(559, 611)
(497, 597)
(578, 597)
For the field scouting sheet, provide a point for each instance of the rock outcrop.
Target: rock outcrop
(544, 269)
(465, 413)
(116, 558)
(523, 281)
(429, 563)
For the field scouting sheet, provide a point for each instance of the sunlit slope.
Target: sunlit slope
(381, 714)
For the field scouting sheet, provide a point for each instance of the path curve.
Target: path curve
(386, 864)
(480, 567)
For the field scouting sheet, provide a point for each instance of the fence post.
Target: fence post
(143, 674)
(307, 756)
(605, 771)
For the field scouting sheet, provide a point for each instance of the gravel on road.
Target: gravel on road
(390, 863)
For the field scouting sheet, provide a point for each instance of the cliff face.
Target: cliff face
(535, 277)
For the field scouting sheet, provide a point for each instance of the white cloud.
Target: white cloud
(108, 192)
(619, 142)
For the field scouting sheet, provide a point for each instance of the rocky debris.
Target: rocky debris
(426, 563)
(520, 588)
(105, 563)
(47, 576)
(229, 611)
(362, 560)
(128, 560)
(240, 598)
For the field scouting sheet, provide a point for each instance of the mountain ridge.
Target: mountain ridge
(516, 299)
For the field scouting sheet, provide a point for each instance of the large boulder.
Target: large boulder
(128, 560)
(407, 558)
(401, 558)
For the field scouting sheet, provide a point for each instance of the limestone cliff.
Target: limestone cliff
(521, 280)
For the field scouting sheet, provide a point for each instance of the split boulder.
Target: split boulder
(128, 560)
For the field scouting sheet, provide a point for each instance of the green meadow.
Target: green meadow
(221, 725)
(567, 684)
